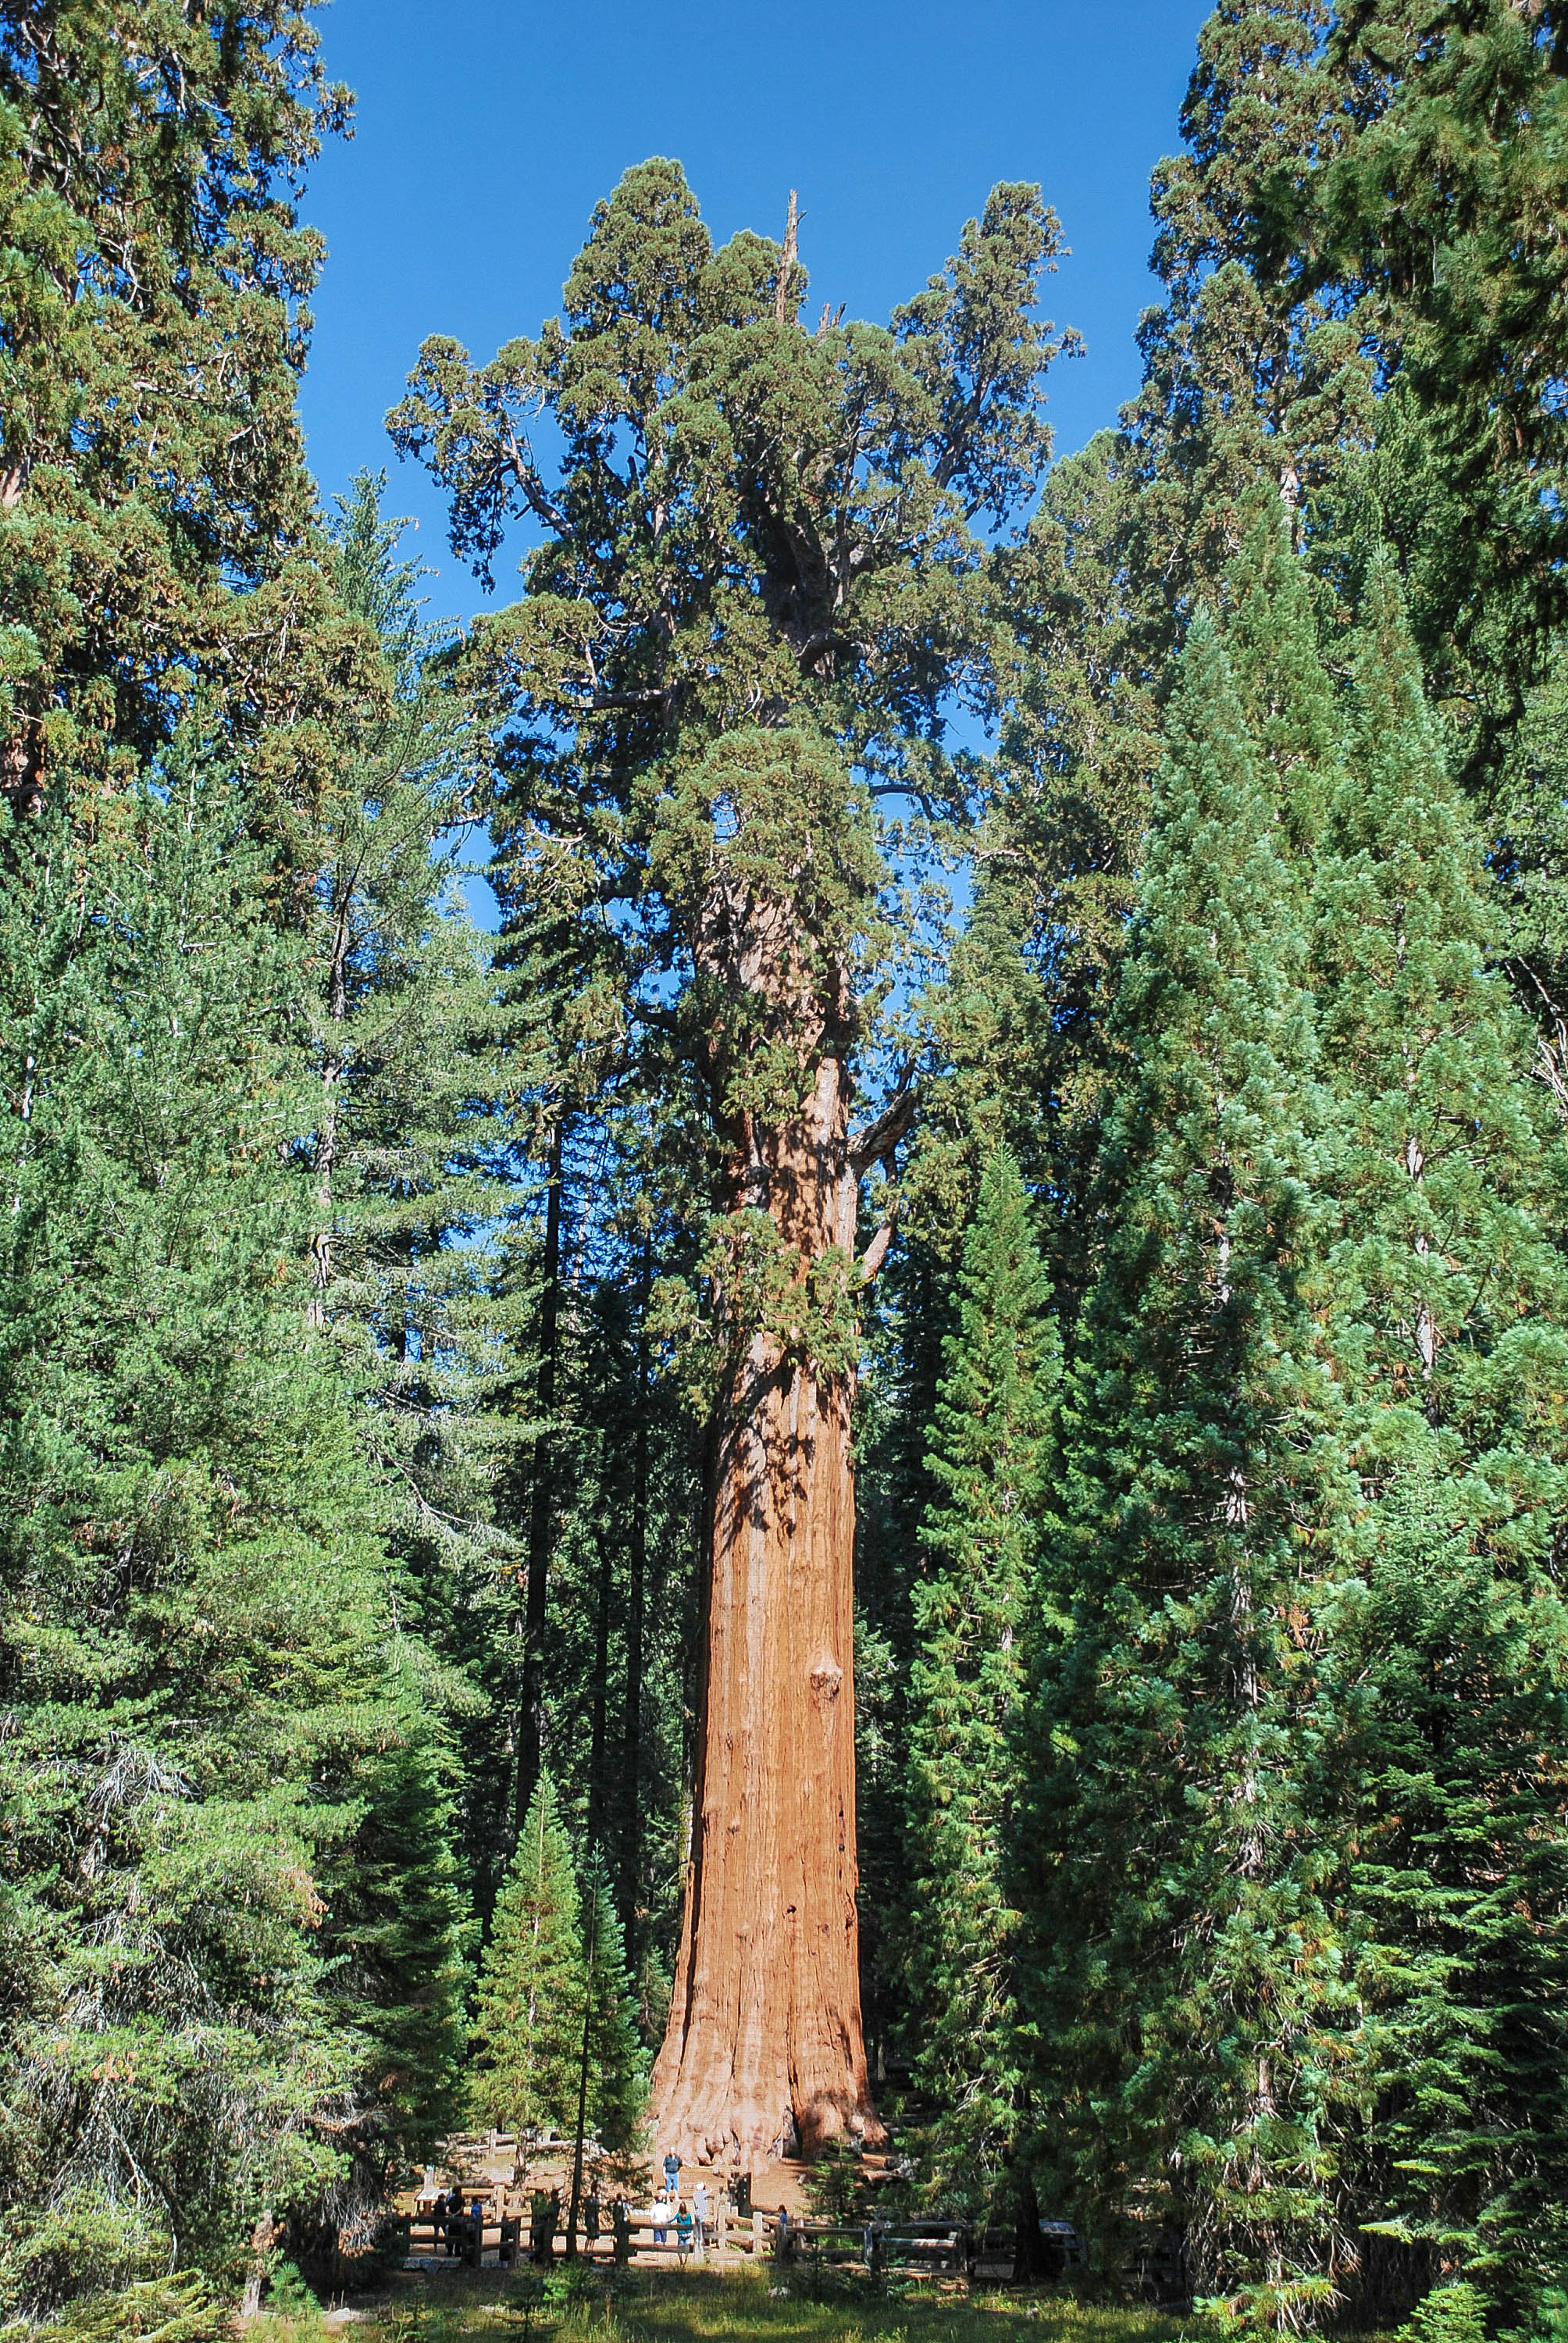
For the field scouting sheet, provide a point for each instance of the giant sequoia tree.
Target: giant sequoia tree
(757, 578)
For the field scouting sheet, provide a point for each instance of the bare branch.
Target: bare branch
(875, 1143)
(876, 1253)
(783, 306)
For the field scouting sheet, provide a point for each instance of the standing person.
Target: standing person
(671, 2171)
(539, 2211)
(661, 2220)
(700, 2215)
(622, 2217)
(684, 2226)
(783, 2235)
(454, 2219)
(591, 2221)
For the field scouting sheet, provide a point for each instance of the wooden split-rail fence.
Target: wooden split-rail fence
(436, 2240)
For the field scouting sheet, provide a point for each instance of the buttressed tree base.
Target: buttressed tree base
(765, 2037)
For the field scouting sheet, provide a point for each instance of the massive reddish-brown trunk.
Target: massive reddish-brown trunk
(765, 2022)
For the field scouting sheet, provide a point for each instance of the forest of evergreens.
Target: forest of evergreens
(1135, 1153)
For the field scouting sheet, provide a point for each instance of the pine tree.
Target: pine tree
(984, 1081)
(154, 543)
(411, 1155)
(1237, 387)
(527, 2020)
(1187, 1963)
(1293, 718)
(223, 1792)
(979, 1542)
(1444, 1149)
(618, 2061)
(1451, 1662)
(1078, 743)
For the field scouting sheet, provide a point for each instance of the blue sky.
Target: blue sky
(487, 129)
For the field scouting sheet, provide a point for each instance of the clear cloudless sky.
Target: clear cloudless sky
(486, 131)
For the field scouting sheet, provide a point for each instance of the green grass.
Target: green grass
(707, 2307)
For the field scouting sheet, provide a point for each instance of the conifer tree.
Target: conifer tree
(1186, 1960)
(1449, 1665)
(1295, 725)
(1444, 1150)
(979, 1540)
(408, 1148)
(231, 1879)
(1078, 742)
(617, 2061)
(154, 542)
(527, 2021)
(760, 582)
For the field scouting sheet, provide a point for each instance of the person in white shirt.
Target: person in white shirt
(699, 2208)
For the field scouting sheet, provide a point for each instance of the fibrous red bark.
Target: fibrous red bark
(765, 2035)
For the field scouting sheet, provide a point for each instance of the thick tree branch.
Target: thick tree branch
(876, 1253)
(876, 1142)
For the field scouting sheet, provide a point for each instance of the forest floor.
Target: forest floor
(698, 2308)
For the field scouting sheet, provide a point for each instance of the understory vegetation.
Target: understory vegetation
(374, 1289)
(669, 2310)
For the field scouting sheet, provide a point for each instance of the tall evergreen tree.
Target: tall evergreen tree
(1450, 1337)
(1086, 639)
(158, 542)
(976, 1591)
(759, 578)
(1359, 243)
(1187, 1963)
(617, 2060)
(230, 1879)
(410, 1152)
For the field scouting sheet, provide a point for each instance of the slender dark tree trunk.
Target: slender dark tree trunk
(582, 2078)
(636, 1598)
(603, 1593)
(1029, 2255)
(541, 1494)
